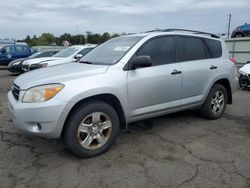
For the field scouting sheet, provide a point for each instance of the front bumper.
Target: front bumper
(244, 80)
(15, 68)
(44, 119)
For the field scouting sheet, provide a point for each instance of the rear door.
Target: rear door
(198, 69)
(151, 90)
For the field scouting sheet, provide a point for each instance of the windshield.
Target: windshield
(67, 52)
(111, 51)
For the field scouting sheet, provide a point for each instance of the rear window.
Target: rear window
(192, 48)
(214, 48)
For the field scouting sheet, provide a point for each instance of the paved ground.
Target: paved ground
(178, 150)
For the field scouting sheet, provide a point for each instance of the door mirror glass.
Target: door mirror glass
(141, 61)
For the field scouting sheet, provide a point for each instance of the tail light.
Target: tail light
(233, 60)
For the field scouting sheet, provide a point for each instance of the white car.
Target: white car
(70, 54)
(244, 79)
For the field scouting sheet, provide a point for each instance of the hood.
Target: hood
(58, 74)
(40, 60)
(245, 68)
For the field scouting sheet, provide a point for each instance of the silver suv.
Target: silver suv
(124, 80)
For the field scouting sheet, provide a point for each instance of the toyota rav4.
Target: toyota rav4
(123, 80)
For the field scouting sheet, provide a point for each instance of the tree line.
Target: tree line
(68, 39)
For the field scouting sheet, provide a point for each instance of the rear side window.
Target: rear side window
(214, 48)
(161, 50)
(191, 48)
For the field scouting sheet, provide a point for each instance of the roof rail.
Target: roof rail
(191, 31)
(155, 30)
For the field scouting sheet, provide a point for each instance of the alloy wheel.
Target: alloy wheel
(94, 130)
(218, 102)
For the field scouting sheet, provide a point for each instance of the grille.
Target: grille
(15, 91)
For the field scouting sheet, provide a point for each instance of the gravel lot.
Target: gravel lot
(177, 150)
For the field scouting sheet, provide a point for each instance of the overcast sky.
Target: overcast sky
(19, 18)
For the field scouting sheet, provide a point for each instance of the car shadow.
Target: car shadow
(148, 124)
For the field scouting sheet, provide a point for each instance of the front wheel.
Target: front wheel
(91, 129)
(216, 102)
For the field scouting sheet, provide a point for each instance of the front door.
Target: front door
(154, 89)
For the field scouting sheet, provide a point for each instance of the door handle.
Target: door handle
(176, 72)
(213, 67)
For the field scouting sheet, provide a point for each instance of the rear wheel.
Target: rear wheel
(237, 35)
(216, 102)
(91, 129)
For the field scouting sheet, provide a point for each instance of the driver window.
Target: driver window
(161, 50)
(8, 49)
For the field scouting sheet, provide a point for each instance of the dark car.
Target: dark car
(15, 66)
(241, 31)
(11, 52)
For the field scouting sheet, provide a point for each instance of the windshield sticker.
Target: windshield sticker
(121, 48)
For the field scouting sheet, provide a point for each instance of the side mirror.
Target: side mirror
(141, 61)
(78, 56)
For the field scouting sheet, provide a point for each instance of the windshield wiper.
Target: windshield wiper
(86, 62)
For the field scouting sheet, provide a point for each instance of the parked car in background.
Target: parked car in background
(123, 80)
(11, 52)
(244, 79)
(241, 31)
(15, 66)
(70, 54)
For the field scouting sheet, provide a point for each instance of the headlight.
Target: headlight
(17, 63)
(41, 93)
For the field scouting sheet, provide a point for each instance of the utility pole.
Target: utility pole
(229, 25)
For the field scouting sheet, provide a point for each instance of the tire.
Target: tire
(238, 35)
(91, 139)
(212, 108)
